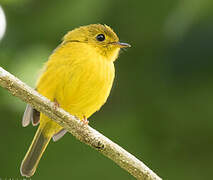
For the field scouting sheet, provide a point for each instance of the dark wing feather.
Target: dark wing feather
(30, 115)
(36, 117)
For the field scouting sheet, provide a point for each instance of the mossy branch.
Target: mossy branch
(84, 133)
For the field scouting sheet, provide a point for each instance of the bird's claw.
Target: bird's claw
(85, 121)
(56, 104)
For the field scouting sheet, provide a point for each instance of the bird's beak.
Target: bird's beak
(121, 45)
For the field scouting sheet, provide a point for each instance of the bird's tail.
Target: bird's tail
(33, 156)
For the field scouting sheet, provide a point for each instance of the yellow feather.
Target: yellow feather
(79, 76)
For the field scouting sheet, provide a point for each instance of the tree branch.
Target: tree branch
(82, 132)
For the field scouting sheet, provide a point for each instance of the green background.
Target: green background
(161, 106)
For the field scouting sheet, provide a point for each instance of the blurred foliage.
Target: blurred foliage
(160, 108)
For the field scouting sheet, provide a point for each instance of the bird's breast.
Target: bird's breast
(87, 87)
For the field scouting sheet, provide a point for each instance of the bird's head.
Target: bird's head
(101, 37)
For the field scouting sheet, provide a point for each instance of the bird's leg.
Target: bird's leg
(56, 104)
(85, 121)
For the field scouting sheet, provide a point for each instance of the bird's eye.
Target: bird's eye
(100, 37)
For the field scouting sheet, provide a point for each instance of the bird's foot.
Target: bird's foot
(85, 121)
(56, 104)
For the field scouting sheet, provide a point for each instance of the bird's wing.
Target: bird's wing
(30, 115)
(59, 135)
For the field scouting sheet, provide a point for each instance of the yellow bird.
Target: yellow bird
(78, 77)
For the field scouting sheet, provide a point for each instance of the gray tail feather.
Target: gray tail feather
(33, 156)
